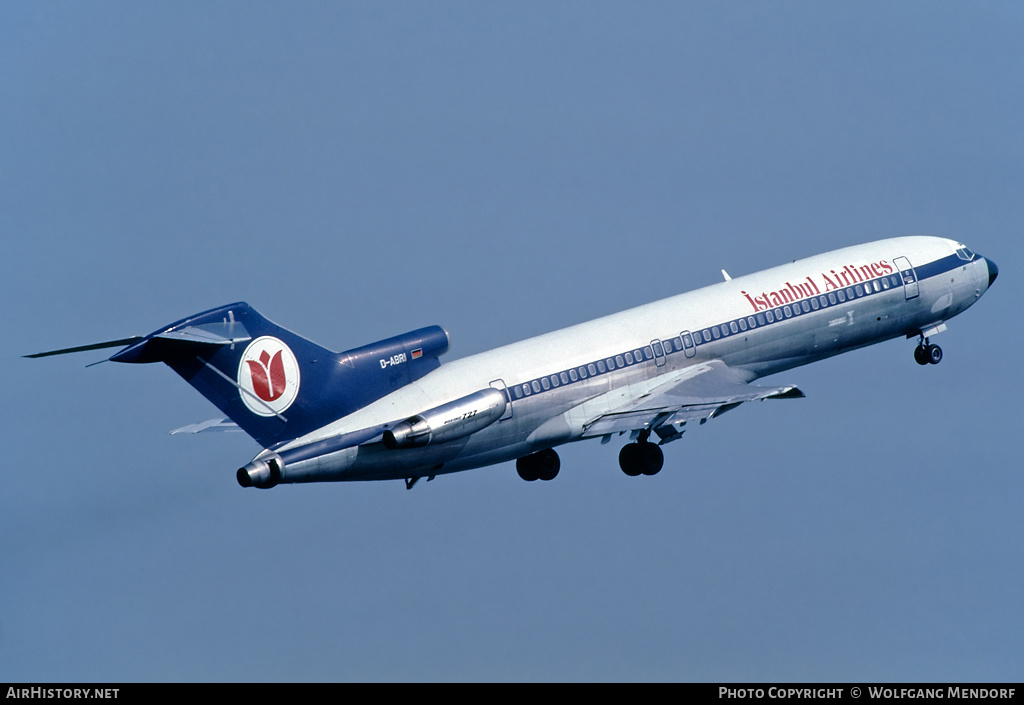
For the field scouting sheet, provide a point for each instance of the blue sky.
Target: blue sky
(357, 170)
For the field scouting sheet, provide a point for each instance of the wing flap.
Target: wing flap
(696, 393)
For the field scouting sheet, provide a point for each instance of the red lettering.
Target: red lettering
(750, 300)
(791, 293)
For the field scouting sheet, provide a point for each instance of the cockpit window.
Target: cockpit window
(964, 254)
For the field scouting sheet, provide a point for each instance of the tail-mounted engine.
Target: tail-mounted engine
(262, 472)
(450, 421)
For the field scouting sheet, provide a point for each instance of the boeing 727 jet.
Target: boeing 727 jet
(390, 410)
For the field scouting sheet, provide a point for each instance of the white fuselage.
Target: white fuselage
(757, 324)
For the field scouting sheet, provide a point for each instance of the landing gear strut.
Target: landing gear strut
(926, 354)
(642, 457)
(542, 465)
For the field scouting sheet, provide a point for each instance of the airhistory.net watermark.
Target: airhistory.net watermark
(41, 693)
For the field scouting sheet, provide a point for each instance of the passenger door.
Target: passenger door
(910, 287)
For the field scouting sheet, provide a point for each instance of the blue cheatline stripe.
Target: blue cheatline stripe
(721, 331)
(940, 266)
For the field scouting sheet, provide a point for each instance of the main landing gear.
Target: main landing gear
(542, 465)
(642, 457)
(926, 354)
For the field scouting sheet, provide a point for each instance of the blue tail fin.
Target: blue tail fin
(275, 384)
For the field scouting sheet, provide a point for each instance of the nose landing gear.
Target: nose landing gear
(926, 354)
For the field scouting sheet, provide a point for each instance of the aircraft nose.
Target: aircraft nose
(993, 271)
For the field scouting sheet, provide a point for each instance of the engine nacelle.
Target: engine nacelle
(447, 422)
(262, 472)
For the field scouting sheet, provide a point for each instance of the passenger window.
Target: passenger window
(814, 304)
(619, 362)
(832, 298)
(629, 358)
(658, 350)
(536, 386)
(789, 314)
(564, 377)
(806, 307)
(750, 321)
(545, 383)
(715, 332)
(707, 335)
(600, 366)
(572, 374)
(583, 372)
(687, 341)
(743, 324)
(519, 392)
(885, 283)
(769, 315)
(592, 369)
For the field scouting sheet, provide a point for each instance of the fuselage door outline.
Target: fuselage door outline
(659, 352)
(499, 384)
(689, 348)
(909, 276)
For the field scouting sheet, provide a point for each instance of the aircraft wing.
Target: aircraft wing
(663, 405)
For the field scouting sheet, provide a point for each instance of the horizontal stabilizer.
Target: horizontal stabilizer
(208, 426)
(220, 333)
(209, 334)
(95, 346)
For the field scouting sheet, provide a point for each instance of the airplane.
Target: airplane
(391, 411)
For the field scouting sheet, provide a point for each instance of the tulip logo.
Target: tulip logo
(268, 378)
(268, 375)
